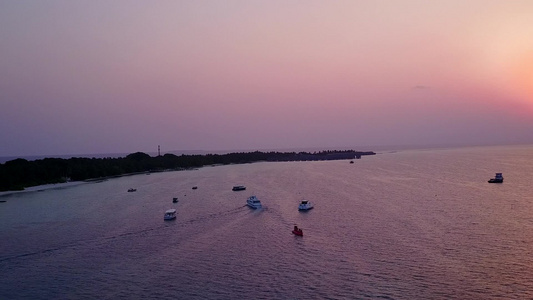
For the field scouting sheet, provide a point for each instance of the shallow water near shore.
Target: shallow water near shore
(406, 225)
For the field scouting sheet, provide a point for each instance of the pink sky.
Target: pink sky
(81, 77)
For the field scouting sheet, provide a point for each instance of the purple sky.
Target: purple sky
(79, 77)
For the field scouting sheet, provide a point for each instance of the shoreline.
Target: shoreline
(62, 185)
(43, 187)
(23, 173)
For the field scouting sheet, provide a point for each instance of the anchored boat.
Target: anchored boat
(297, 231)
(498, 178)
(305, 205)
(170, 214)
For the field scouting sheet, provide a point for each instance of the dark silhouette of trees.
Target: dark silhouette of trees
(20, 173)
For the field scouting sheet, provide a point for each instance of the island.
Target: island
(20, 173)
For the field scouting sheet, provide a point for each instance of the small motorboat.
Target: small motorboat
(239, 188)
(132, 190)
(175, 200)
(305, 205)
(194, 187)
(170, 214)
(297, 231)
(351, 161)
(253, 202)
(498, 178)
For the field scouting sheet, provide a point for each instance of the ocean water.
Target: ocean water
(417, 224)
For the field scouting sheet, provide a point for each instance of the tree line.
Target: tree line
(21, 173)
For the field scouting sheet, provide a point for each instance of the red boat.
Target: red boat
(297, 231)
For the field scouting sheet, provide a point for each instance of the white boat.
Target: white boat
(170, 214)
(305, 205)
(253, 202)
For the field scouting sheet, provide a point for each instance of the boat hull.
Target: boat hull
(304, 208)
(496, 181)
(298, 232)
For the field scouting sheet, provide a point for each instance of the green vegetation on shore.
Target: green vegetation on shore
(20, 173)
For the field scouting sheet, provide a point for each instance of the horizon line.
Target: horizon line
(4, 159)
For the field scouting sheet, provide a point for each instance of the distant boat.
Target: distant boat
(132, 190)
(351, 161)
(239, 188)
(253, 202)
(194, 187)
(175, 200)
(305, 205)
(170, 214)
(297, 231)
(498, 178)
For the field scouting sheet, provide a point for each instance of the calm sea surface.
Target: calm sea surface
(405, 225)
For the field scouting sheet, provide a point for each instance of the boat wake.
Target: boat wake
(159, 228)
(81, 243)
(215, 215)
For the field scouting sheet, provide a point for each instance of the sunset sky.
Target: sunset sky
(81, 77)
